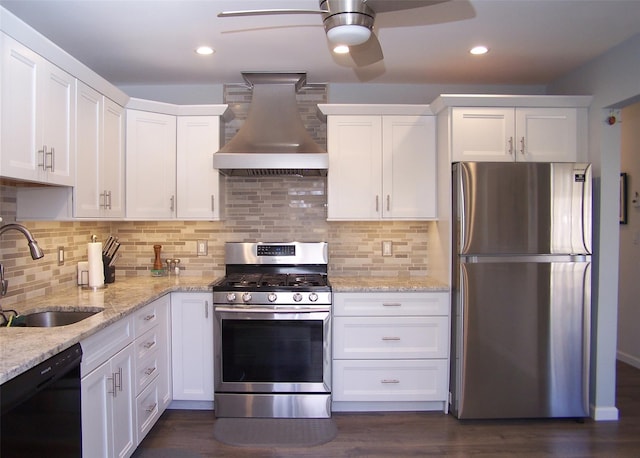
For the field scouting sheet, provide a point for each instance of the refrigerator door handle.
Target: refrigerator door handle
(474, 259)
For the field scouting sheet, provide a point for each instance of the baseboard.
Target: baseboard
(629, 359)
(604, 413)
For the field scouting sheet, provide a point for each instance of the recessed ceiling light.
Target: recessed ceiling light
(478, 50)
(204, 50)
(341, 49)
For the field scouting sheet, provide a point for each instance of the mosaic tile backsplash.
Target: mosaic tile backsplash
(258, 209)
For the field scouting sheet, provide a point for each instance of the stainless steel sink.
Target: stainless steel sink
(54, 318)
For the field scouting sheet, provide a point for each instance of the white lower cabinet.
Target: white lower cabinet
(390, 351)
(152, 361)
(107, 392)
(192, 349)
(126, 381)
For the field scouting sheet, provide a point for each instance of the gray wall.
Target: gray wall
(613, 81)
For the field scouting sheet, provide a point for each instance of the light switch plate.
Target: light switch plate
(387, 248)
(60, 255)
(203, 249)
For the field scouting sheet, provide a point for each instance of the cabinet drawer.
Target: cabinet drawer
(147, 410)
(147, 369)
(390, 337)
(147, 343)
(104, 344)
(390, 380)
(391, 304)
(147, 317)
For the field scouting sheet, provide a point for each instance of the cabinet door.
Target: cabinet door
(97, 412)
(197, 180)
(355, 168)
(112, 163)
(482, 134)
(124, 439)
(546, 134)
(58, 124)
(88, 152)
(408, 167)
(192, 346)
(20, 144)
(151, 165)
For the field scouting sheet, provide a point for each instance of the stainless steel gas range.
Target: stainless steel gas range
(273, 331)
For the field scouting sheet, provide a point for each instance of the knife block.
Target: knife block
(109, 274)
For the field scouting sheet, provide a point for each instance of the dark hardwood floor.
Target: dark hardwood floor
(431, 434)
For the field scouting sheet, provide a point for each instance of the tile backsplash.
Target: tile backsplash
(258, 209)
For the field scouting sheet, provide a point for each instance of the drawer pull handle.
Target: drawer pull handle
(388, 381)
(152, 407)
(149, 317)
(391, 338)
(117, 377)
(391, 304)
(148, 345)
(113, 391)
(150, 370)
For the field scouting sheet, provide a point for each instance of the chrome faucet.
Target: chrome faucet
(34, 249)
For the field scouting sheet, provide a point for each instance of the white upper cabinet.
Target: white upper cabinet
(381, 167)
(151, 165)
(507, 128)
(355, 167)
(99, 191)
(38, 118)
(514, 134)
(197, 181)
(408, 167)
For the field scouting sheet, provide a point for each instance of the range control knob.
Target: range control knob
(272, 297)
(246, 297)
(231, 297)
(297, 297)
(313, 297)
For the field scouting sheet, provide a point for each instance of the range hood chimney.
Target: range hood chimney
(273, 140)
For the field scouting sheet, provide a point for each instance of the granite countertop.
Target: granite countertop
(385, 284)
(22, 348)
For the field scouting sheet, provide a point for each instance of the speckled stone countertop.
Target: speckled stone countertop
(382, 284)
(23, 348)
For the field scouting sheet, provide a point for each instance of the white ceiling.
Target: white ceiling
(152, 42)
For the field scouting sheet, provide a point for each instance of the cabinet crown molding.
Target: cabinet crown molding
(494, 100)
(374, 109)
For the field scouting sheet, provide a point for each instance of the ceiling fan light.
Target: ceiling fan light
(350, 34)
(341, 49)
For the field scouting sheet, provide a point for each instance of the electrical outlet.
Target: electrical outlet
(203, 249)
(60, 255)
(387, 248)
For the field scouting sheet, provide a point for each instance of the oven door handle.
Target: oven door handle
(275, 309)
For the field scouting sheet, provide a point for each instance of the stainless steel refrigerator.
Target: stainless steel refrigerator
(521, 290)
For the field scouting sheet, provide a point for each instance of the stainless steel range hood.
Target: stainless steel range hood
(273, 140)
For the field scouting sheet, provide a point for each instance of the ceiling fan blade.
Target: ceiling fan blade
(385, 6)
(267, 12)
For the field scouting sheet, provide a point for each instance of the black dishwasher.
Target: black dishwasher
(41, 409)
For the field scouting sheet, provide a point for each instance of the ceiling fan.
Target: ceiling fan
(348, 22)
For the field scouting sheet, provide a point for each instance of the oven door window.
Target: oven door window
(272, 351)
